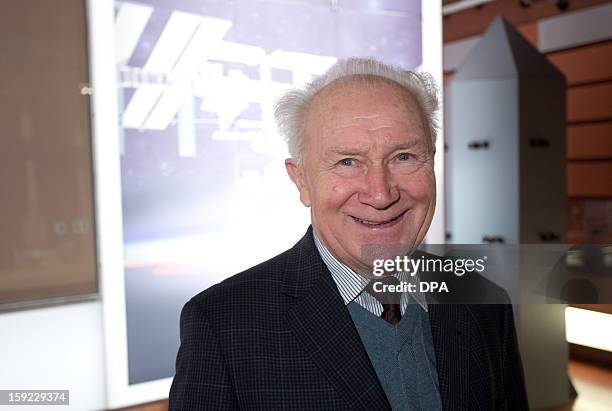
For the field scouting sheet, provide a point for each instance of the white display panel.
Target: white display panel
(190, 182)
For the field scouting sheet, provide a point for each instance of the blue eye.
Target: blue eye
(404, 157)
(346, 162)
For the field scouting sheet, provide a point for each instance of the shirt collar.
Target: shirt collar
(350, 284)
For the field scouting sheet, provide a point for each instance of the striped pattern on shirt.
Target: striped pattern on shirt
(351, 285)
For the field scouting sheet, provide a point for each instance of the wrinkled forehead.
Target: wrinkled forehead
(361, 98)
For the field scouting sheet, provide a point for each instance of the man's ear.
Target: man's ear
(296, 174)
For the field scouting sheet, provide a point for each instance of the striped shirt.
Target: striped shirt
(351, 285)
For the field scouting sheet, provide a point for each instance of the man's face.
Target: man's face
(367, 170)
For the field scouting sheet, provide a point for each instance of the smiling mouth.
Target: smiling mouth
(377, 224)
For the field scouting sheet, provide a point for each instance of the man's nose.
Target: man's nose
(379, 191)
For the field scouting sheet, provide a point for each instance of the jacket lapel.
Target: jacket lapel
(452, 332)
(322, 324)
(462, 360)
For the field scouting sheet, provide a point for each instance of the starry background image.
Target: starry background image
(202, 174)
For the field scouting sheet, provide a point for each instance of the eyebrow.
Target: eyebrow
(353, 151)
(345, 151)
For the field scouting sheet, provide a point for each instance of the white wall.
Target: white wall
(55, 348)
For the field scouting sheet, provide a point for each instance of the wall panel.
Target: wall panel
(475, 20)
(589, 179)
(589, 103)
(589, 141)
(585, 64)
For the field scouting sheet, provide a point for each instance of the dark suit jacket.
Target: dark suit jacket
(278, 336)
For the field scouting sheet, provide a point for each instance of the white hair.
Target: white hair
(291, 108)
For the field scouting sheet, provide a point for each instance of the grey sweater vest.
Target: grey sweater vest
(403, 357)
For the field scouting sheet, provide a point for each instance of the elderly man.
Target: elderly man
(306, 330)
